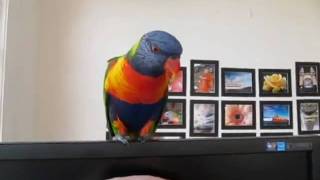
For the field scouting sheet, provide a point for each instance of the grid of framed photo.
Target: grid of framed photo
(274, 82)
(204, 78)
(238, 135)
(276, 115)
(174, 114)
(308, 116)
(307, 78)
(238, 115)
(177, 85)
(238, 82)
(203, 118)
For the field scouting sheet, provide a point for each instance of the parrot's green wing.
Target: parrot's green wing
(111, 62)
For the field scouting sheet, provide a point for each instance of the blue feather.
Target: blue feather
(149, 62)
(135, 116)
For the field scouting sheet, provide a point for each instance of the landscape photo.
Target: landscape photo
(276, 116)
(238, 82)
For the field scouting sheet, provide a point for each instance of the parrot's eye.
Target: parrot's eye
(155, 49)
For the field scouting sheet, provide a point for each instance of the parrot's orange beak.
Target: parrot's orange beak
(172, 66)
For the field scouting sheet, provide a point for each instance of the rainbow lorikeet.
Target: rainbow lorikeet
(136, 86)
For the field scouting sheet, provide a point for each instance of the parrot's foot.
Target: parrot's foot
(120, 139)
(144, 139)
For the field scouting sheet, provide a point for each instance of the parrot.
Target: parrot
(136, 86)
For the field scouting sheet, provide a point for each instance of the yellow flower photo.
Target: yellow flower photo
(275, 82)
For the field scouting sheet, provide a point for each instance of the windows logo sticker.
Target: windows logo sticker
(281, 146)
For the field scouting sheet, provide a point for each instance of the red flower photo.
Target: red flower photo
(238, 115)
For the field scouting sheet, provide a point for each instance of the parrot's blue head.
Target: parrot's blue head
(156, 53)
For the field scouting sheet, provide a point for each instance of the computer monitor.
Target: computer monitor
(221, 159)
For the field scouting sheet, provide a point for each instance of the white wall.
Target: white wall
(57, 52)
(22, 55)
(4, 6)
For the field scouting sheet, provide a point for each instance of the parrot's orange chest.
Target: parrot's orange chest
(127, 84)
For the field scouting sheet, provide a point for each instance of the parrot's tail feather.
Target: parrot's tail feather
(119, 128)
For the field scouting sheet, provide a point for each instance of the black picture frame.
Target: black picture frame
(234, 91)
(236, 112)
(184, 84)
(169, 135)
(309, 78)
(276, 124)
(196, 131)
(162, 124)
(226, 135)
(108, 136)
(276, 134)
(194, 78)
(312, 114)
(284, 72)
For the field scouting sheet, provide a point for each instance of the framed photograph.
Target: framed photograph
(204, 118)
(307, 78)
(275, 82)
(308, 116)
(168, 136)
(238, 115)
(276, 115)
(174, 114)
(276, 134)
(108, 136)
(204, 78)
(177, 86)
(238, 135)
(238, 82)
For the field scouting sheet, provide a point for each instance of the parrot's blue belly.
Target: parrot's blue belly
(135, 116)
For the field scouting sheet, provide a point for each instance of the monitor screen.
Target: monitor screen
(260, 166)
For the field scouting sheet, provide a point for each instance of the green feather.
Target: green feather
(133, 50)
(105, 95)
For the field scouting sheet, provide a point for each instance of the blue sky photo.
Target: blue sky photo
(270, 111)
(244, 78)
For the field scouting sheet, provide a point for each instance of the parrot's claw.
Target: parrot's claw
(120, 139)
(144, 139)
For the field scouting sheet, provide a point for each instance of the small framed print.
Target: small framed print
(308, 116)
(238, 82)
(204, 118)
(108, 136)
(238, 115)
(174, 114)
(238, 135)
(307, 78)
(177, 86)
(276, 115)
(169, 136)
(204, 78)
(276, 134)
(275, 82)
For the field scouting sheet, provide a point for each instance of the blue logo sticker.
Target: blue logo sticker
(281, 146)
